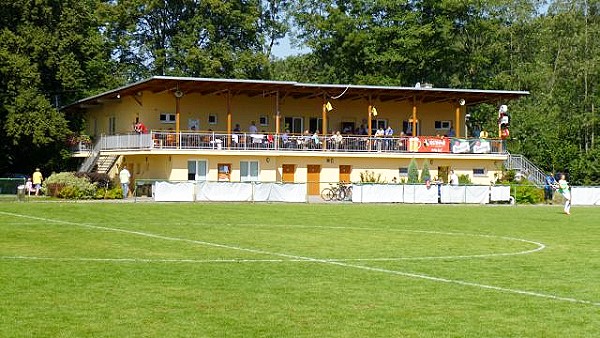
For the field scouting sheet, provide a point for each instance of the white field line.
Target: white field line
(324, 261)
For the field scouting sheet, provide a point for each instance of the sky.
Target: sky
(285, 49)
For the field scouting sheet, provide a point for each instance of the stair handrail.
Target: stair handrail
(527, 168)
(90, 161)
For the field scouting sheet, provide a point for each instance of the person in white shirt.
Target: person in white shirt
(453, 178)
(124, 176)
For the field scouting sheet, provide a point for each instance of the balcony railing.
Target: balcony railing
(282, 142)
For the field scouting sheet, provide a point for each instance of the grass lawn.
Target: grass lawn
(297, 270)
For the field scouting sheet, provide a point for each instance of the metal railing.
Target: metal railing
(526, 168)
(295, 142)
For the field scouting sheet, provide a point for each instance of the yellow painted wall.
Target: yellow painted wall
(246, 109)
(174, 167)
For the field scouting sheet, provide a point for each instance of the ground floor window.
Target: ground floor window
(224, 171)
(197, 170)
(249, 171)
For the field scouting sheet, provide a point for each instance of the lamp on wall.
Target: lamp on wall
(462, 102)
(374, 111)
(178, 93)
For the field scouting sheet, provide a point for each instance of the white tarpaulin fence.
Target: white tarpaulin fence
(361, 193)
(228, 192)
(585, 196)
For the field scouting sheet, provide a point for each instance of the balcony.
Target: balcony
(214, 141)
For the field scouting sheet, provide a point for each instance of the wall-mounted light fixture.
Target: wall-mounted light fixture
(462, 102)
(374, 111)
(178, 93)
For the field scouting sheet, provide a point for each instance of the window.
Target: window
(403, 171)
(294, 124)
(445, 125)
(112, 125)
(212, 119)
(197, 170)
(224, 171)
(263, 121)
(249, 171)
(479, 172)
(167, 118)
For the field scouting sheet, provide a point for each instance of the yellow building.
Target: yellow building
(202, 129)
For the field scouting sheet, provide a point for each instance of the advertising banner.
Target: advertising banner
(431, 144)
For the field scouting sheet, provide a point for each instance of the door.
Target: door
(345, 171)
(443, 173)
(314, 179)
(288, 173)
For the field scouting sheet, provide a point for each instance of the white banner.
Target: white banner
(377, 193)
(452, 194)
(477, 194)
(585, 195)
(500, 194)
(224, 192)
(420, 194)
(174, 192)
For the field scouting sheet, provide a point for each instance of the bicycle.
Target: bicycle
(339, 192)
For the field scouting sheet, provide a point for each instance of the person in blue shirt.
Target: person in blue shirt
(549, 186)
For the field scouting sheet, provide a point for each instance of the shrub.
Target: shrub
(370, 177)
(464, 179)
(425, 175)
(413, 172)
(526, 192)
(67, 185)
(101, 179)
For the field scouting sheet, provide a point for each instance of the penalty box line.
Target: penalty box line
(316, 260)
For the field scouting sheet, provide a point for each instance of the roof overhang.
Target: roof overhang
(210, 86)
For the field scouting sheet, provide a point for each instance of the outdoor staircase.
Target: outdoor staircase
(98, 161)
(521, 165)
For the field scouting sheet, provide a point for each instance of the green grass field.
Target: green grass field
(279, 270)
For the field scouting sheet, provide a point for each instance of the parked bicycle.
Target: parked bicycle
(339, 192)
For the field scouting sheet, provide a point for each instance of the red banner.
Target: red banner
(431, 144)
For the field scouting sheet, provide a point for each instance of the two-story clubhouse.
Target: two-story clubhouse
(202, 129)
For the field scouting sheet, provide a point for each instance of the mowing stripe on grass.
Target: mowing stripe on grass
(316, 260)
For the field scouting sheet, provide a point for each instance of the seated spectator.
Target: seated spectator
(337, 139)
(316, 142)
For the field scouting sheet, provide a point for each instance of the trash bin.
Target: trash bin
(21, 192)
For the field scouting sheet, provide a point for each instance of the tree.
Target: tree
(229, 39)
(51, 53)
(413, 172)
(425, 175)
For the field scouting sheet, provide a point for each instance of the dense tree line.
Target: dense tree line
(54, 52)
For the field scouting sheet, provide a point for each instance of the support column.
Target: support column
(457, 122)
(229, 119)
(177, 113)
(277, 116)
(414, 117)
(324, 126)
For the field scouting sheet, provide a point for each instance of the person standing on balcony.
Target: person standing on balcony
(389, 134)
(37, 179)
(253, 129)
(124, 177)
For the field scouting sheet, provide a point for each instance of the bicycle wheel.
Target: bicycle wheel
(348, 191)
(341, 194)
(327, 194)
